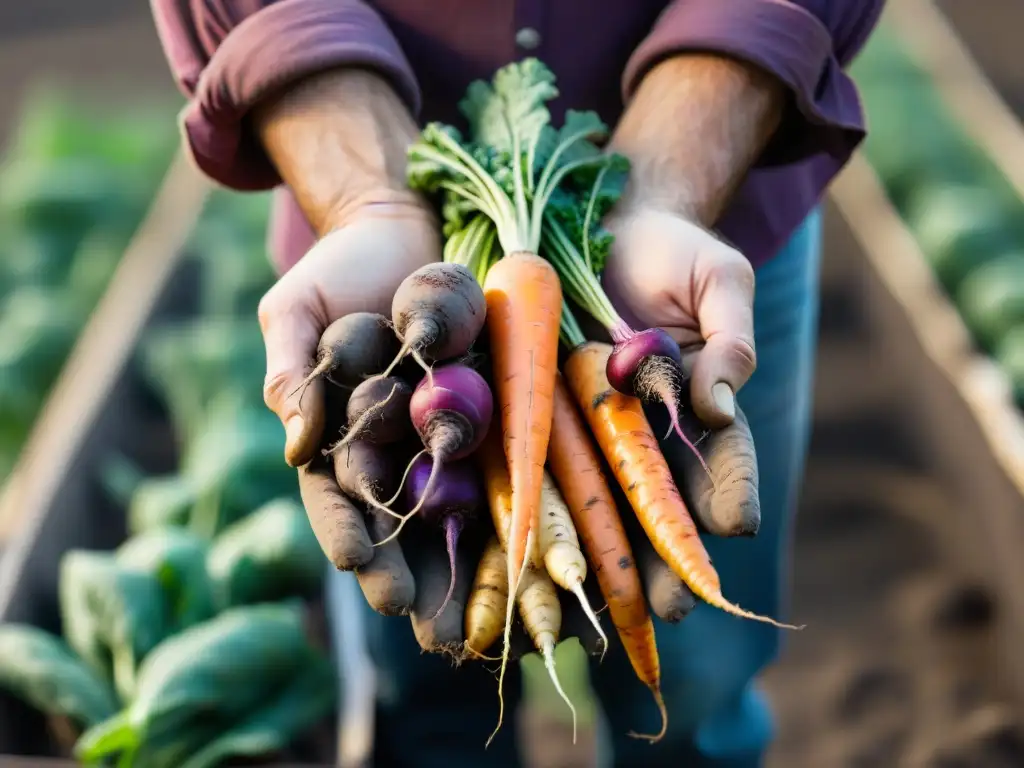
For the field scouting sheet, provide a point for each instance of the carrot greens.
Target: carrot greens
(512, 164)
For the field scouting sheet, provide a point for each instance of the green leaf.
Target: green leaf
(177, 559)
(234, 462)
(111, 736)
(424, 171)
(455, 214)
(581, 211)
(189, 363)
(579, 136)
(303, 702)
(216, 672)
(161, 501)
(514, 103)
(121, 478)
(268, 555)
(113, 617)
(40, 669)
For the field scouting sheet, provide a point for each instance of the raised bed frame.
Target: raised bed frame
(961, 412)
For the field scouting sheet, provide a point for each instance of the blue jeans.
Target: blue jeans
(431, 715)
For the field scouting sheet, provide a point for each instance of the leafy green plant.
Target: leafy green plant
(268, 555)
(113, 616)
(219, 673)
(40, 669)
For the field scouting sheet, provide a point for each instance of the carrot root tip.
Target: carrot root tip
(654, 738)
(547, 652)
(731, 608)
(577, 590)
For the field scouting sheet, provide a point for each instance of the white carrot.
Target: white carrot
(488, 600)
(542, 618)
(559, 547)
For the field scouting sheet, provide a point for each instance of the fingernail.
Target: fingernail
(724, 399)
(293, 431)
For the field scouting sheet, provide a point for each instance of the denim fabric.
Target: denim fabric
(431, 715)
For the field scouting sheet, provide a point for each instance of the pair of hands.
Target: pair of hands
(664, 271)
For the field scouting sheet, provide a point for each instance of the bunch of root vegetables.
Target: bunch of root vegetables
(460, 413)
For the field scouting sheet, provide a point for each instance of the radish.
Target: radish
(378, 412)
(438, 311)
(451, 504)
(451, 412)
(648, 365)
(352, 349)
(366, 473)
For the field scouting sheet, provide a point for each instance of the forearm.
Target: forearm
(692, 130)
(339, 140)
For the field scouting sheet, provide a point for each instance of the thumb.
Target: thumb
(291, 333)
(725, 312)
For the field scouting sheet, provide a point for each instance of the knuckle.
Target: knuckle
(275, 389)
(732, 266)
(744, 355)
(267, 309)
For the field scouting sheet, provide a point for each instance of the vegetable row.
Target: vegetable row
(193, 642)
(73, 186)
(534, 448)
(965, 215)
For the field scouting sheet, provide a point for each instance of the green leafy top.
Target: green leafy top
(513, 162)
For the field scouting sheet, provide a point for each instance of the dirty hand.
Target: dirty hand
(356, 267)
(665, 270)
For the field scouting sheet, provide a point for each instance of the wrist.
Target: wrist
(339, 140)
(398, 205)
(692, 130)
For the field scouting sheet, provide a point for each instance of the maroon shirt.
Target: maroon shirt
(227, 54)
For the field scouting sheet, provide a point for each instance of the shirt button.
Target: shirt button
(528, 38)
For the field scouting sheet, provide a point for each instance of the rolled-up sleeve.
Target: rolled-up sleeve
(227, 55)
(804, 43)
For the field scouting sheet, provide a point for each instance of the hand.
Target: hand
(665, 270)
(355, 267)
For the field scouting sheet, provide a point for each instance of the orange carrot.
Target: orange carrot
(524, 309)
(576, 467)
(631, 450)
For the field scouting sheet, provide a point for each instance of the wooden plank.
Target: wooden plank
(895, 256)
(961, 409)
